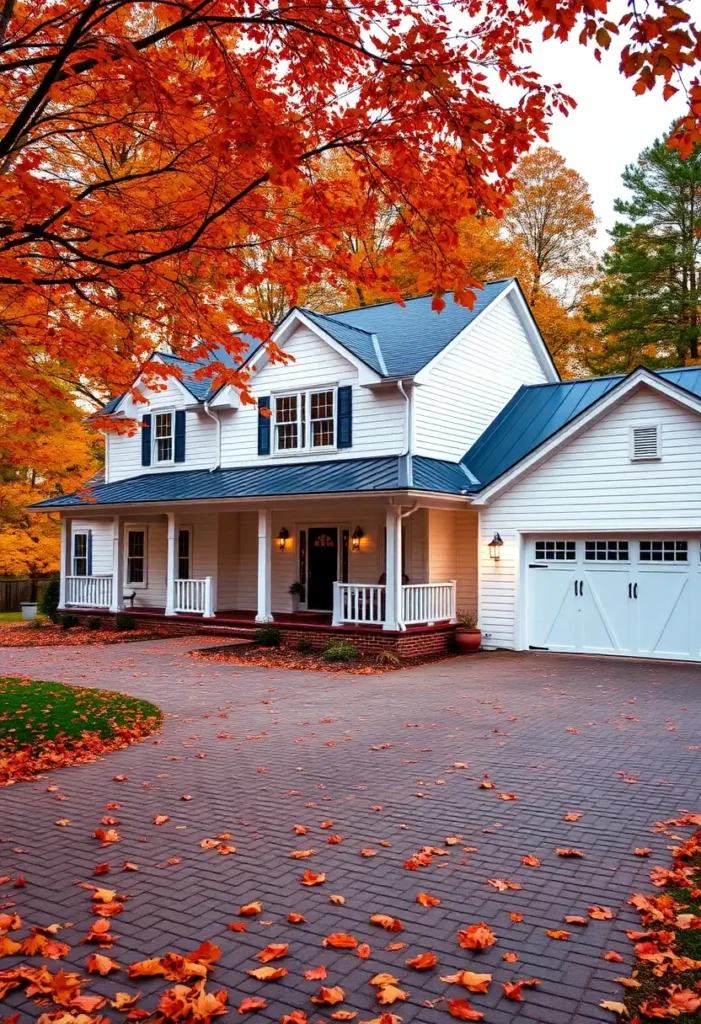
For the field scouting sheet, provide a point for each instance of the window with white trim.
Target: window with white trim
(664, 551)
(80, 554)
(645, 442)
(556, 550)
(163, 437)
(136, 558)
(184, 553)
(606, 551)
(306, 419)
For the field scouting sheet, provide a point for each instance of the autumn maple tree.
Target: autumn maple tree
(149, 152)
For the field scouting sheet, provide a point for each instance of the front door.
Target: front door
(322, 568)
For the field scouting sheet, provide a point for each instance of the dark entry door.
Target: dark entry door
(322, 569)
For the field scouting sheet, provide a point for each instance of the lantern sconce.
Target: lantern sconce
(282, 538)
(495, 545)
(356, 538)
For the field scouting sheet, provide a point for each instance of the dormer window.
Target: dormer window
(306, 419)
(163, 437)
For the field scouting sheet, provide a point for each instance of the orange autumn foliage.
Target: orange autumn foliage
(162, 163)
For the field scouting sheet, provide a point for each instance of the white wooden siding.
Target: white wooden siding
(102, 534)
(472, 382)
(592, 485)
(378, 417)
(123, 458)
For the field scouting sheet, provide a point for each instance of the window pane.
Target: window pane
(164, 437)
(287, 427)
(184, 555)
(136, 548)
(321, 416)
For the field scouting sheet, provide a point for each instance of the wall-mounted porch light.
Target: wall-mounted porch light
(282, 538)
(356, 538)
(495, 545)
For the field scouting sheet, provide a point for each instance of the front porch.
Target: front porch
(373, 566)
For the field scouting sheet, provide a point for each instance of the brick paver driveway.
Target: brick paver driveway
(260, 751)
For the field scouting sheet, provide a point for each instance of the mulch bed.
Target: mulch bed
(23, 634)
(286, 656)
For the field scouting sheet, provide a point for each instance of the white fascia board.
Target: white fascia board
(635, 381)
(515, 295)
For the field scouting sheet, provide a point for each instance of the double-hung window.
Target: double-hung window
(184, 554)
(163, 437)
(136, 558)
(80, 554)
(306, 419)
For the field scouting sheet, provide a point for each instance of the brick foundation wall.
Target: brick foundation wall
(409, 644)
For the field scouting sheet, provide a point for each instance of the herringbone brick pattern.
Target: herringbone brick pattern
(260, 751)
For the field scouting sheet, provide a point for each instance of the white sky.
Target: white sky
(610, 124)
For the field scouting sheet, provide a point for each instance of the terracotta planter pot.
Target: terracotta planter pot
(468, 639)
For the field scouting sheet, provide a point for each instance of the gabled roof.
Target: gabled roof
(408, 337)
(324, 477)
(200, 388)
(538, 411)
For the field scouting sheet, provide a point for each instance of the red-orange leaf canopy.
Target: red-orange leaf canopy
(157, 160)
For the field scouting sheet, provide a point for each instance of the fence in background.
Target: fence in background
(14, 592)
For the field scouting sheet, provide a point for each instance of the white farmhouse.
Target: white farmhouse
(403, 466)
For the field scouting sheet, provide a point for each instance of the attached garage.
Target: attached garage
(638, 596)
(596, 498)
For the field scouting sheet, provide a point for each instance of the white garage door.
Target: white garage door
(637, 596)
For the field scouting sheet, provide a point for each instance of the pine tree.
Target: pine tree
(648, 306)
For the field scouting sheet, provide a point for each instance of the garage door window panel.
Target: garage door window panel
(664, 551)
(606, 551)
(556, 550)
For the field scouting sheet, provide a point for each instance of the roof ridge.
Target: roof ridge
(413, 298)
(328, 316)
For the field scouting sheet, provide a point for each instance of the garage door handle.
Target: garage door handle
(635, 591)
(576, 588)
(630, 590)
(581, 587)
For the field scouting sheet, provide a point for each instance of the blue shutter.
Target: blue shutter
(89, 552)
(263, 426)
(180, 435)
(146, 440)
(344, 430)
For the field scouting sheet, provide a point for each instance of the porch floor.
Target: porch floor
(245, 618)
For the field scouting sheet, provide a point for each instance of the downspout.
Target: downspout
(216, 419)
(408, 451)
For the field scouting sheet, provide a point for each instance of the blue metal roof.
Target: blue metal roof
(328, 477)
(408, 336)
(538, 411)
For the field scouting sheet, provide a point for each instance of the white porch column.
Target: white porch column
(214, 587)
(171, 564)
(66, 537)
(393, 569)
(265, 581)
(117, 604)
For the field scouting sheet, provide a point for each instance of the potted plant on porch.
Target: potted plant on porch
(468, 635)
(296, 589)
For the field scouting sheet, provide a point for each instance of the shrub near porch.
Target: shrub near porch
(47, 725)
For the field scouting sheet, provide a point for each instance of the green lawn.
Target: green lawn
(33, 712)
(10, 616)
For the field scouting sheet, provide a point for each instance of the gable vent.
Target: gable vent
(645, 443)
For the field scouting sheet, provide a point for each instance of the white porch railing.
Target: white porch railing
(89, 591)
(421, 603)
(360, 603)
(194, 596)
(428, 603)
